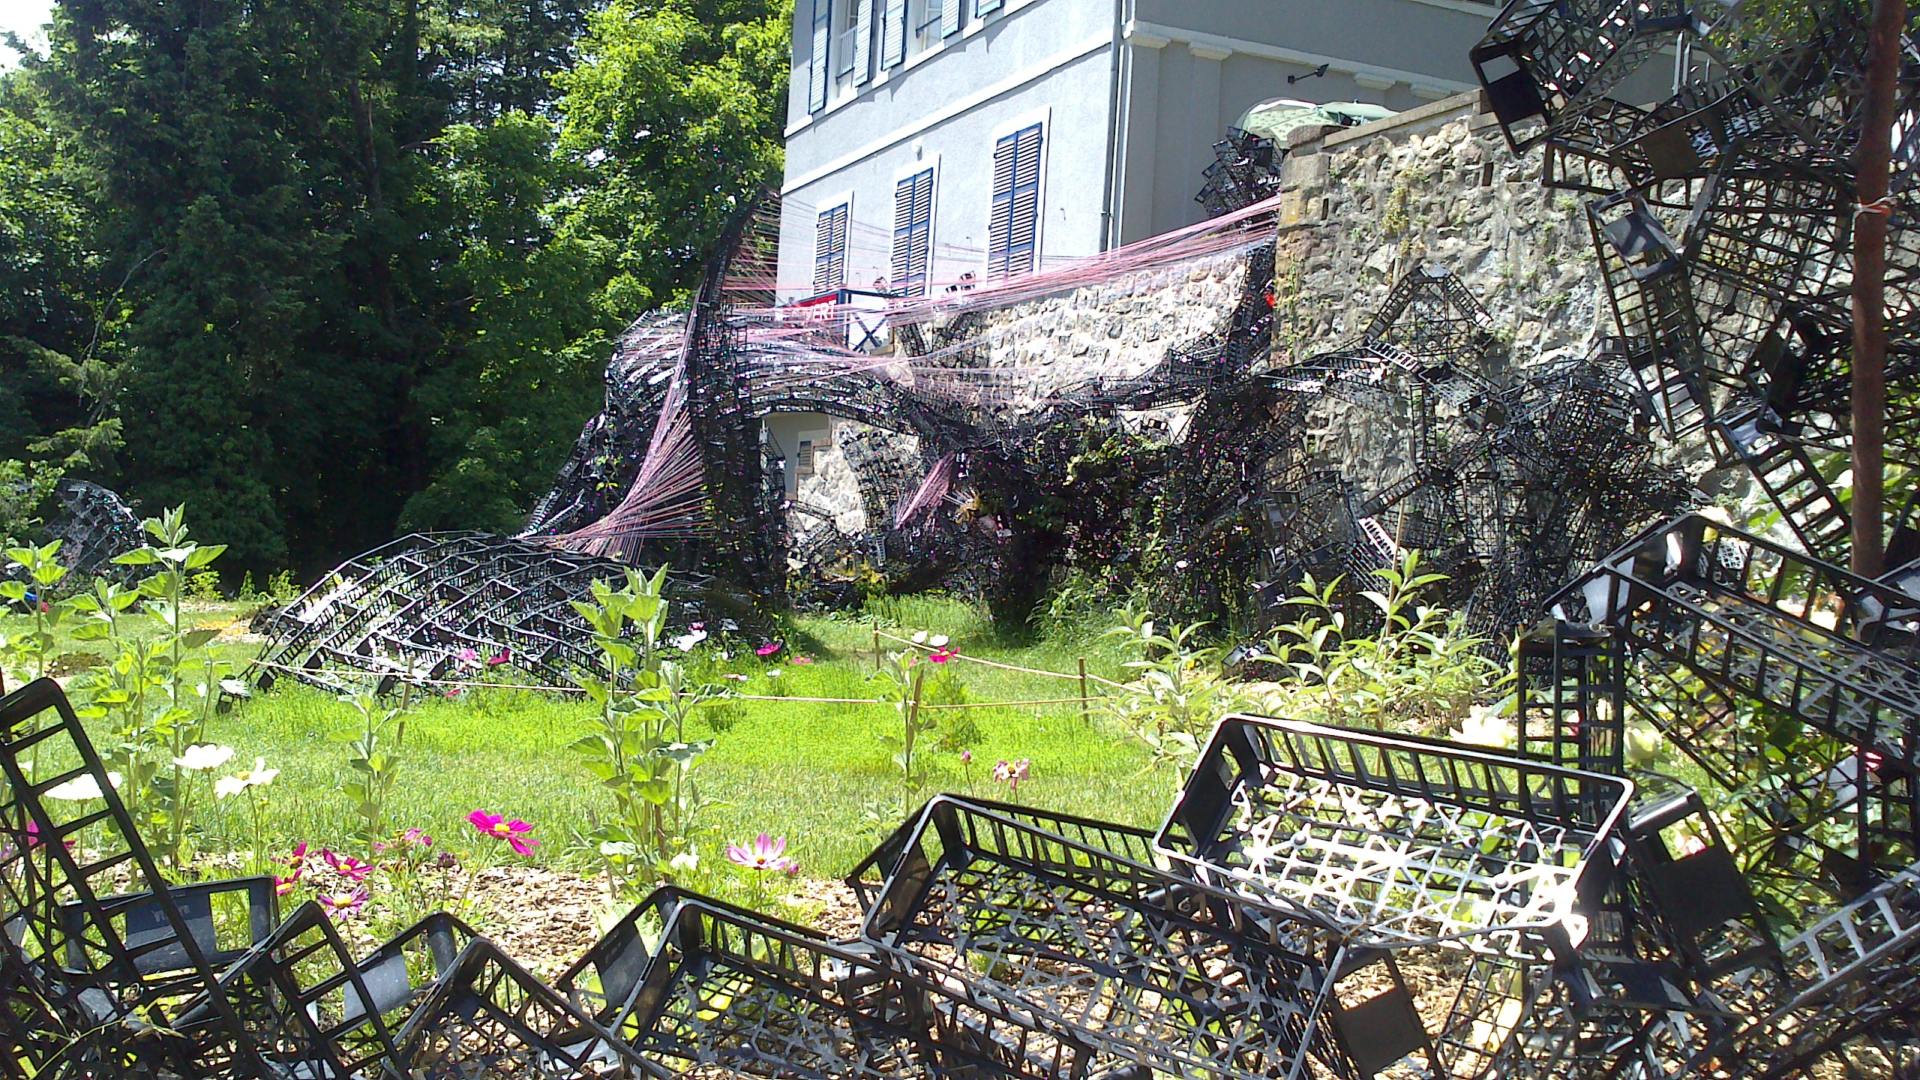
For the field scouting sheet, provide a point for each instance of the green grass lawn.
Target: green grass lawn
(809, 771)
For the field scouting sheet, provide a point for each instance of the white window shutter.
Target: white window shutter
(950, 17)
(893, 34)
(862, 41)
(817, 64)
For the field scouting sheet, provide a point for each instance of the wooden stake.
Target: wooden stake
(876, 648)
(1873, 163)
(1086, 714)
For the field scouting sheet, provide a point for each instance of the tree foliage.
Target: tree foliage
(331, 269)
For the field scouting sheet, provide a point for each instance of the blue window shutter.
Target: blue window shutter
(983, 8)
(817, 66)
(830, 250)
(950, 17)
(862, 41)
(1013, 228)
(893, 34)
(912, 233)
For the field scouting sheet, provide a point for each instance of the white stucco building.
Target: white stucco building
(931, 139)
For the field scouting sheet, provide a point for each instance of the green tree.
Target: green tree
(674, 114)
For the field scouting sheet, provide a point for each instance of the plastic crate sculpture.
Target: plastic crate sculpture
(447, 607)
(1146, 966)
(730, 989)
(1411, 845)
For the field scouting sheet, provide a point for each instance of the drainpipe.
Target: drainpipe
(1109, 213)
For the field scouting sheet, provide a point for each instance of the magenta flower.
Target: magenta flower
(768, 854)
(284, 885)
(940, 656)
(966, 757)
(506, 654)
(349, 867)
(803, 659)
(455, 692)
(298, 860)
(735, 676)
(697, 626)
(469, 657)
(513, 832)
(417, 838)
(770, 648)
(343, 902)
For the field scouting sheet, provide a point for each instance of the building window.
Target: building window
(984, 8)
(817, 62)
(830, 250)
(856, 41)
(1013, 230)
(803, 461)
(912, 233)
(942, 19)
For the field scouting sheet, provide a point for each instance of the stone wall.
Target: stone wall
(1437, 185)
(1116, 329)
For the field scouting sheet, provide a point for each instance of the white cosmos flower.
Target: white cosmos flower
(258, 776)
(81, 788)
(204, 756)
(685, 642)
(938, 641)
(1485, 727)
(919, 637)
(684, 863)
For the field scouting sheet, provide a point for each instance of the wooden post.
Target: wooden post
(876, 648)
(1086, 714)
(1873, 162)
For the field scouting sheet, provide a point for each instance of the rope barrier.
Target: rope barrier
(467, 683)
(983, 663)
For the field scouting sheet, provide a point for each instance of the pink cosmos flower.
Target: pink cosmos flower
(33, 836)
(297, 860)
(513, 832)
(940, 656)
(803, 659)
(469, 657)
(343, 902)
(769, 648)
(768, 854)
(966, 757)
(506, 654)
(349, 867)
(697, 626)
(455, 692)
(416, 838)
(1011, 773)
(735, 676)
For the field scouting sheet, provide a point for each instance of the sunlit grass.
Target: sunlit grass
(817, 773)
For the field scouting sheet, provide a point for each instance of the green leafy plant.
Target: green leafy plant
(159, 692)
(639, 750)
(1419, 671)
(31, 652)
(1177, 693)
(902, 683)
(375, 761)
